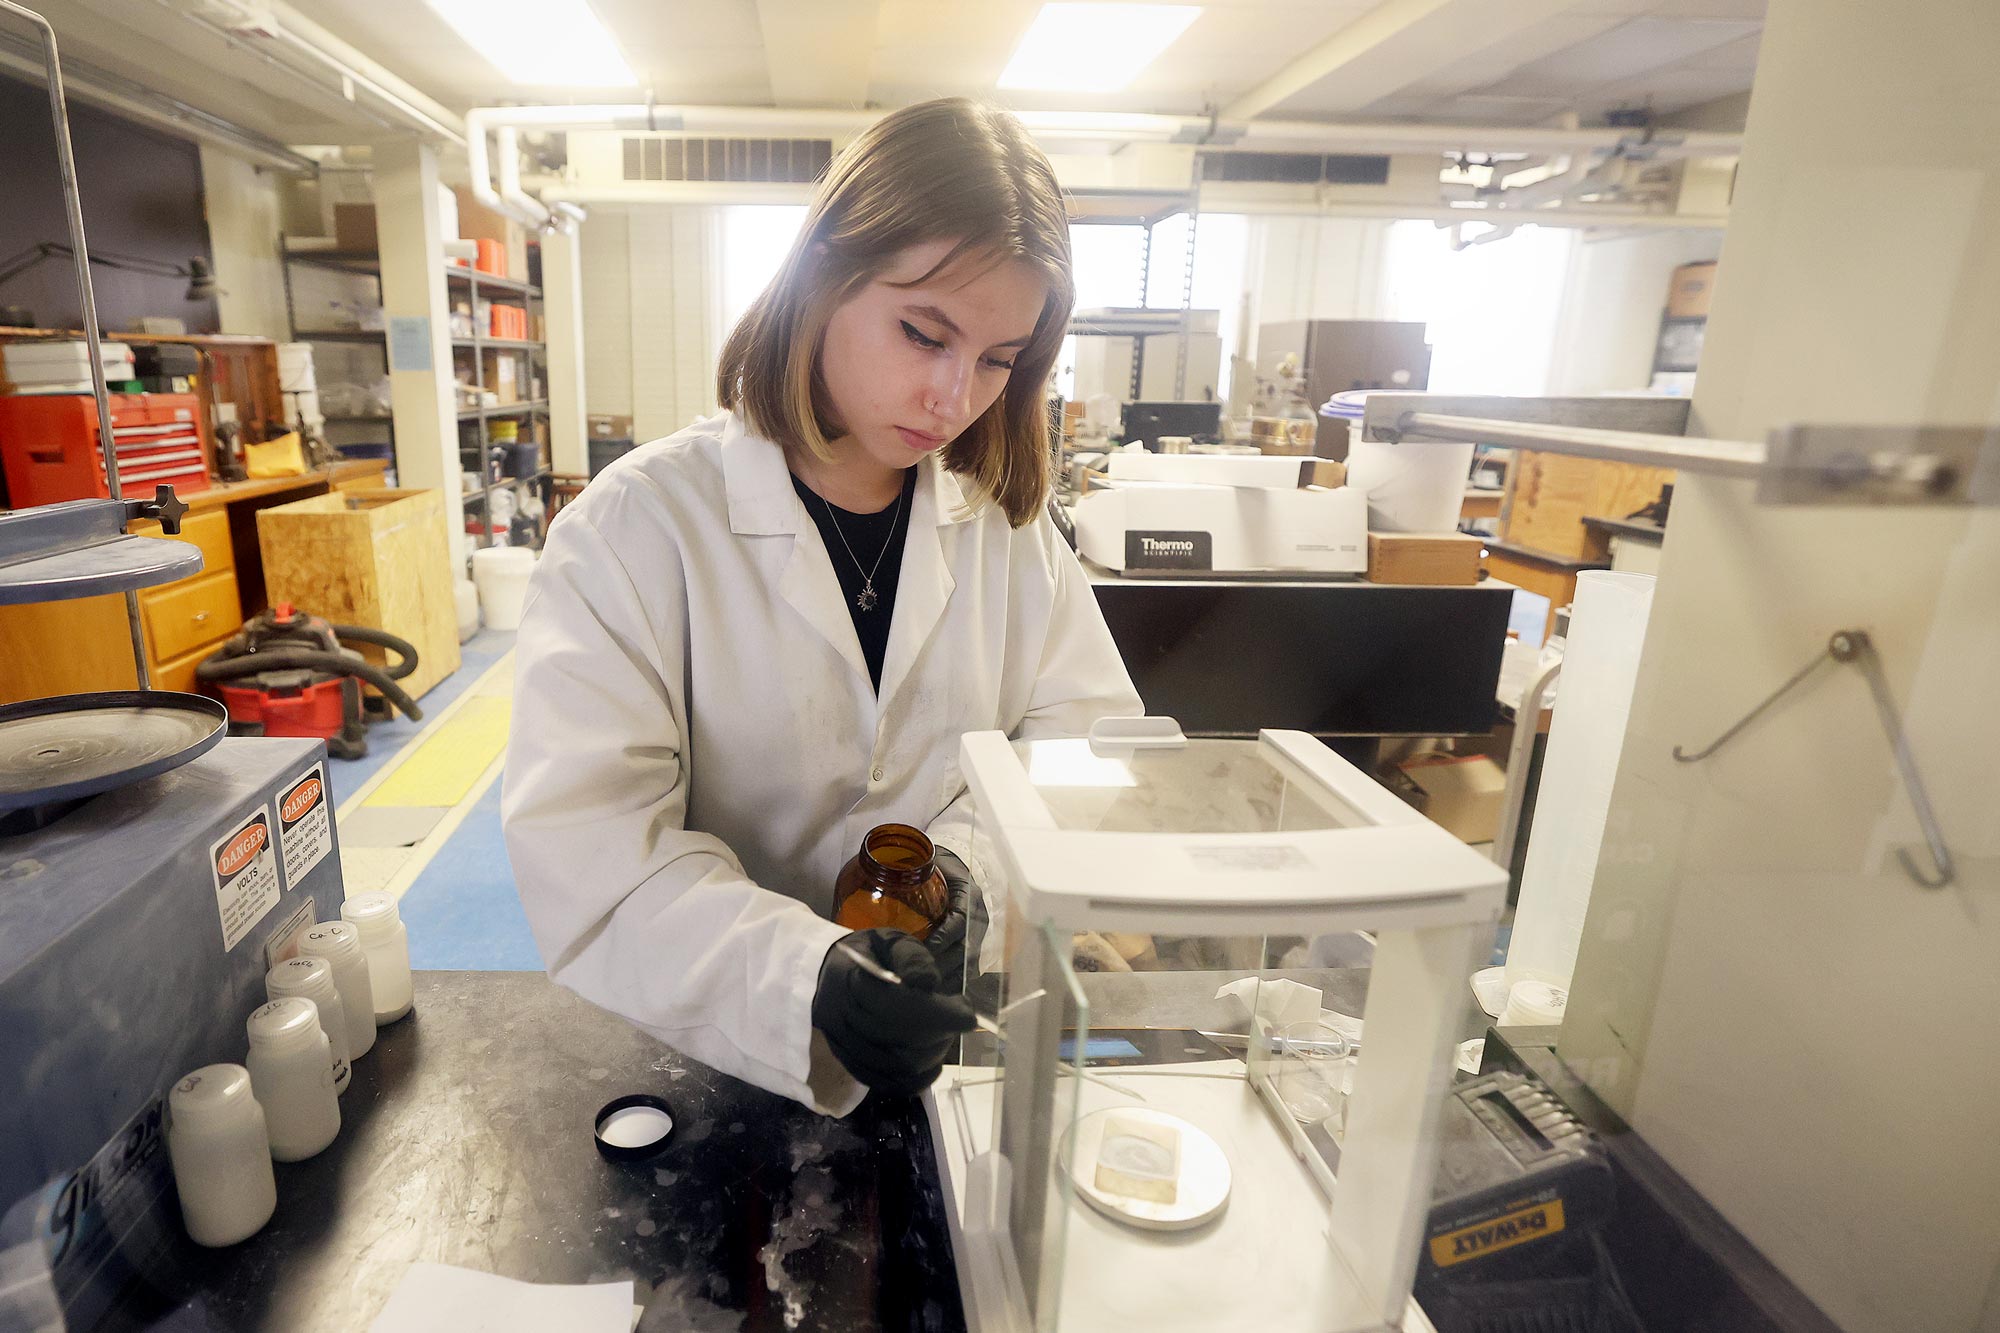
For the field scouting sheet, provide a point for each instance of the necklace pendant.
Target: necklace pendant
(865, 599)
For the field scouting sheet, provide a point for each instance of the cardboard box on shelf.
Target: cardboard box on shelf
(501, 372)
(354, 228)
(1460, 793)
(1690, 291)
(606, 427)
(1434, 559)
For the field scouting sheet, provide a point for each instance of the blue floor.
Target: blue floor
(481, 651)
(462, 912)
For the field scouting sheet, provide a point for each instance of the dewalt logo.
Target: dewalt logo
(1509, 1229)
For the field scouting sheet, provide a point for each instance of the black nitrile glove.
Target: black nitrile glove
(892, 1038)
(947, 941)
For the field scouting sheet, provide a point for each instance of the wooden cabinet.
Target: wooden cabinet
(82, 645)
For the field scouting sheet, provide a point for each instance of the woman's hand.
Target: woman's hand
(894, 1038)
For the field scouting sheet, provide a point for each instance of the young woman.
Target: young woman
(751, 642)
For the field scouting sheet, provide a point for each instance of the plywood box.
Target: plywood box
(1549, 496)
(1434, 559)
(374, 558)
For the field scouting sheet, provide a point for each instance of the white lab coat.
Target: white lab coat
(697, 749)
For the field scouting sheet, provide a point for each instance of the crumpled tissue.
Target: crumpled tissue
(1281, 1003)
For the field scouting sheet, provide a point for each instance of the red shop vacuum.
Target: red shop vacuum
(286, 673)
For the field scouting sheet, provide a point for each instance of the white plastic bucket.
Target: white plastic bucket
(501, 574)
(1415, 486)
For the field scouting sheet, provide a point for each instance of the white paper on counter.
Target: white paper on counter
(438, 1298)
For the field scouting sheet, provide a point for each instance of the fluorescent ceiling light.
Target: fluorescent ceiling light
(549, 43)
(1093, 48)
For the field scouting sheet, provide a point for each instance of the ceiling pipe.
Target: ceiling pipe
(1295, 136)
(507, 143)
(478, 166)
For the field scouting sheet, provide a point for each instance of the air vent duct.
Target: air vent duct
(655, 157)
(1296, 168)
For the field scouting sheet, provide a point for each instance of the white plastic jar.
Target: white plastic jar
(291, 1071)
(340, 944)
(221, 1155)
(379, 922)
(311, 978)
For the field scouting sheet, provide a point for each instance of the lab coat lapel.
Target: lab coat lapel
(925, 583)
(762, 503)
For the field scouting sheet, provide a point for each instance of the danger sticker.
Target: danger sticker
(305, 825)
(246, 877)
(1503, 1232)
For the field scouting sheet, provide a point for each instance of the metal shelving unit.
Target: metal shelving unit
(339, 261)
(479, 286)
(475, 286)
(504, 410)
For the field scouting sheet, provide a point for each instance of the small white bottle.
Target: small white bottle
(291, 1070)
(376, 918)
(340, 944)
(221, 1155)
(311, 978)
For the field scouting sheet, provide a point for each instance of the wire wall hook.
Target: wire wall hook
(1854, 647)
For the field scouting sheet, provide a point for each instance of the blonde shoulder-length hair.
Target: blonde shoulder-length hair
(950, 169)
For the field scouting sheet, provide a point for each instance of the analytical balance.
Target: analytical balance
(1222, 853)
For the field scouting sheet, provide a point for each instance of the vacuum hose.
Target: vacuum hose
(381, 638)
(313, 659)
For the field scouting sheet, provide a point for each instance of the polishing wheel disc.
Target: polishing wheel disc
(80, 744)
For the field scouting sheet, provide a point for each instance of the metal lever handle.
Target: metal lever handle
(1854, 647)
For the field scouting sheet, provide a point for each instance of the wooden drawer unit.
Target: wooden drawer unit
(177, 673)
(183, 616)
(209, 531)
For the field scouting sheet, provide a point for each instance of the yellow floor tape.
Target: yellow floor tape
(444, 769)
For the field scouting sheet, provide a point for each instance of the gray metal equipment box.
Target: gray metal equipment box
(135, 933)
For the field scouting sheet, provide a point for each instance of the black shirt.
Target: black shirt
(853, 542)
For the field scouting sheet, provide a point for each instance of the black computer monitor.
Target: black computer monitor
(1149, 421)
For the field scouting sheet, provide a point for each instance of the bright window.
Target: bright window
(1492, 308)
(755, 240)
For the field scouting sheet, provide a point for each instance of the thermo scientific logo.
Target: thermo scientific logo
(242, 849)
(1169, 550)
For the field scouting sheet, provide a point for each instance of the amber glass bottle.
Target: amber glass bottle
(892, 881)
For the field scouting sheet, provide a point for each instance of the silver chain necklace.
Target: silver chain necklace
(865, 599)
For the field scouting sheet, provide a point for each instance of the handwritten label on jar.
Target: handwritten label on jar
(246, 877)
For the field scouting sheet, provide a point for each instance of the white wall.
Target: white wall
(607, 312)
(1313, 268)
(1613, 298)
(652, 300)
(242, 202)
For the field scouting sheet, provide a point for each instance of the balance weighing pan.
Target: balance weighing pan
(77, 745)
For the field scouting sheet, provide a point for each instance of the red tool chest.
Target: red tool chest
(49, 447)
